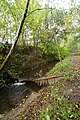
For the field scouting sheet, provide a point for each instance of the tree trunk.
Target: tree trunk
(17, 36)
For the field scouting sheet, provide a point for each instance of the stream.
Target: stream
(12, 95)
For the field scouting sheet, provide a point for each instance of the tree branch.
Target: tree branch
(37, 9)
(17, 36)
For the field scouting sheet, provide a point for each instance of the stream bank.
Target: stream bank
(23, 63)
(64, 93)
(13, 93)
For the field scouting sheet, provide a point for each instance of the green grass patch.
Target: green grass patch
(61, 67)
(62, 108)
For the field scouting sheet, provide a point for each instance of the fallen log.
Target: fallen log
(43, 80)
(47, 80)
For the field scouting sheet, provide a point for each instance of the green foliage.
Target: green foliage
(64, 51)
(46, 114)
(43, 26)
(68, 75)
(50, 49)
(61, 67)
(55, 31)
(1, 47)
(62, 109)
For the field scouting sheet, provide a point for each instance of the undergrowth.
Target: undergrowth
(61, 66)
(62, 109)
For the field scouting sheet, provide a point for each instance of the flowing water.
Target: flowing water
(11, 95)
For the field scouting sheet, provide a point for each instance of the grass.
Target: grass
(61, 66)
(62, 108)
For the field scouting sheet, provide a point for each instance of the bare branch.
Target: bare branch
(38, 10)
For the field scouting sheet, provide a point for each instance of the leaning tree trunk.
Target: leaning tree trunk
(17, 36)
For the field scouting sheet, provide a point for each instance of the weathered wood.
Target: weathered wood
(47, 78)
(43, 80)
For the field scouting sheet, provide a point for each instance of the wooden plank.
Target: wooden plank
(47, 78)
